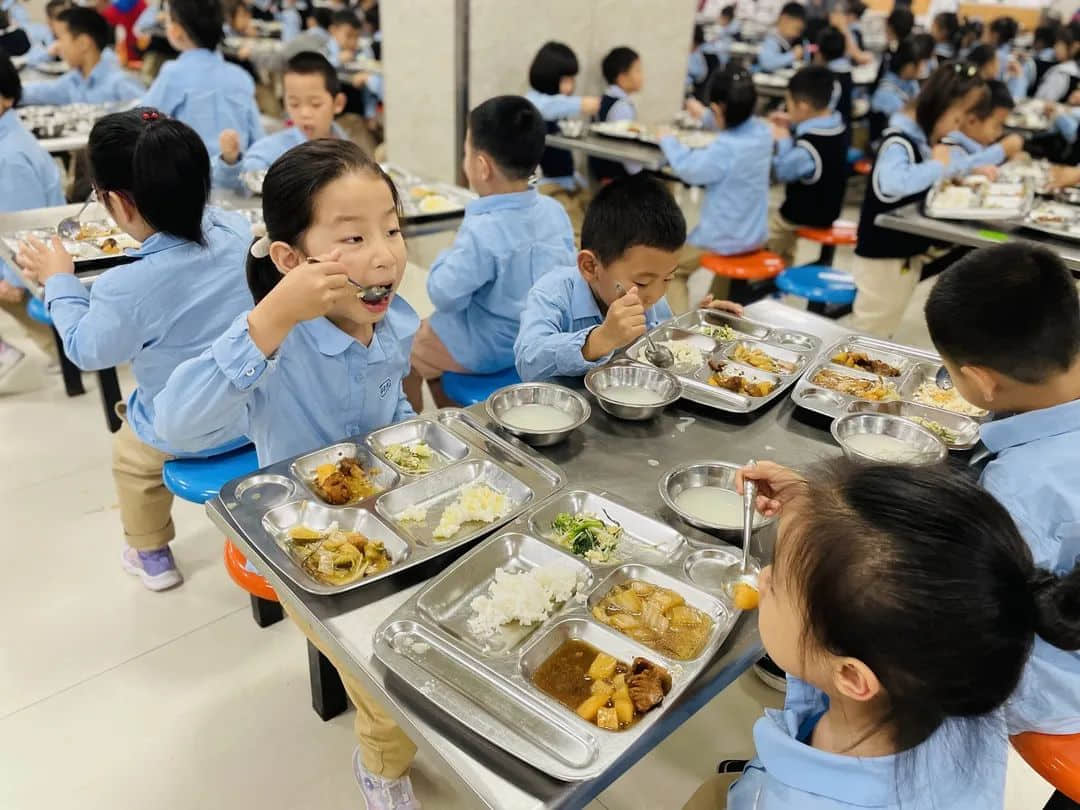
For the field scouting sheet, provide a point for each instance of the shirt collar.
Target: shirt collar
(582, 301)
(1024, 428)
(907, 125)
(199, 54)
(157, 242)
(329, 340)
(101, 69)
(615, 91)
(501, 202)
(1046, 55)
(821, 122)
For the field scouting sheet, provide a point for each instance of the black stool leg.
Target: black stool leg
(328, 697)
(266, 612)
(828, 252)
(1059, 801)
(68, 370)
(110, 395)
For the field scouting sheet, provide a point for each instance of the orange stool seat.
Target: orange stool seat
(840, 232)
(1055, 757)
(236, 565)
(761, 265)
(863, 166)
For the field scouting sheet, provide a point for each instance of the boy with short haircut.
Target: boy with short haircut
(45, 50)
(783, 46)
(624, 74)
(313, 98)
(978, 142)
(811, 160)
(344, 30)
(199, 87)
(1006, 321)
(510, 237)
(832, 53)
(83, 37)
(576, 317)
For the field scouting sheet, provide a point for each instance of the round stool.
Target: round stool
(828, 291)
(468, 389)
(863, 166)
(35, 308)
(751, 274)
(1056, 758)
(840, 232)
(854, 155)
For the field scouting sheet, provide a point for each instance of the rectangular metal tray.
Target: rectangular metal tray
(916, 366)
(269, 502)
(1062, 230)
(979, 211)
(486, 684)
(786, 343)
(86, 254)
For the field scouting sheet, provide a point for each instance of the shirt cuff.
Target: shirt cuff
(570, 362)
(783, 146)
(64, 285)
(239, 359)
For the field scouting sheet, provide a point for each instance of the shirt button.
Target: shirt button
(250, 372)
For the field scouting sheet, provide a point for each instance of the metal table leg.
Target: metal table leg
(328, 697)
(110, 395)
(73, 383)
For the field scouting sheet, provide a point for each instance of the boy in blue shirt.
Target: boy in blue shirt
(313, 98)
(1006, 321)
(578, 316)
(510, 237)
(783, 45)
(624, 75)
(978, 142)
(83, 37)
(199, 87)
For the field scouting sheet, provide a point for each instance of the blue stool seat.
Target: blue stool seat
(199, 479)
(35, 308)
(854, 153)
(468, 389)
(819, 284)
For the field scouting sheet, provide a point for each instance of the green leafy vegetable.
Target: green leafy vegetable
(586, 536)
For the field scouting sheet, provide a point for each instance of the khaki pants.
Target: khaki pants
(678, 293)
(386, 749)
(39, 333)
(712, 795)
(884, 288)
(575, 203)
(782, 237)
(145, 503)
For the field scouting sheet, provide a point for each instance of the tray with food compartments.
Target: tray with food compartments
(98, 245)
(865, 374)
(347, 515)
(977, 197)
(729, 363)
(46, 121)
(558, 654)
(1057, 217)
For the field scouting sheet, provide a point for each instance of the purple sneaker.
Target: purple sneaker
(156, 568)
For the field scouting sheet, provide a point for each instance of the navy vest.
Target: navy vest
(556, 162)
(816, 202)
(606, 170)
(875, 242)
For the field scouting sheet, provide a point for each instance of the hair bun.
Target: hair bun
(1057, 607)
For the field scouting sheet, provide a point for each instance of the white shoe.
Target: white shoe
(156, 569)
(381, 793)
(18, 372)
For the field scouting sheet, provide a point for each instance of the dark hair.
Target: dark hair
(323, 16)
(981, 55)
(617, 62)
(900, 21)
(80, 20)
(309, 63)
(946, 85)
(949, 24)
(831, 43)
(510, 130)
(1064, 35)
(202, 20)
(371, 17)
(924, 45)
(814, 85)
(727, 12)
(923, 576)
(158, 163)
(971, 29)
(54, 7)
(290, 190)
(346, 17)
(906, 53)
(797, 11)
(998, 97)
(553, 61)
(10, 83)
(856, 8)
(699, 34)
(1004, 29)
(1012, 308)
(635, 210)
(230, 7)
(1045, 36)
(733, 87)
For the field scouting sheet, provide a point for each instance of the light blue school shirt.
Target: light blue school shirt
(17, 13)
(291, 24)
(896, 173)
(775, 53)
(734, 169)
(971, 154)
(1036, 476)
(319, 387)
(792, 775)
(505, 244)
(156, 313)
(147, 20)
(556, 108)
(1066, 125)
(259, 156)
(893, 93)
(29, 177)
(106, 82)
(696, 67)
(794, 161)
(622, 110)
(209, 95)
(560, 312)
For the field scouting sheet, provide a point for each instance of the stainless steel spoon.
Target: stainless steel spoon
(943, 379)
(659, 356)
(368, 294)
(69, 227)
(740, 572)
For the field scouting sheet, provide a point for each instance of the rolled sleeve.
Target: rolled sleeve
(227, 175)
(237, 356)
(898, 177)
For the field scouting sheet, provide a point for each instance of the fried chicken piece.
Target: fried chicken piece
(336, 489)
(351, 467)
(648, 683)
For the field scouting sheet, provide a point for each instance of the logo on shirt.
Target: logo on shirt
(384, 388)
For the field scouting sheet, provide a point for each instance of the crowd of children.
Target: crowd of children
(292, 335)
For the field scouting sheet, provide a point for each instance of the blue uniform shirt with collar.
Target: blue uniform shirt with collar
(734, 169)
(260, 156)
(1036, 477)
(319, 387)
(969, 153)
(209, 95)
(775, 53)
(791, 775)
(555, 108)
(560, 312)
(896, 172)
(794, 162)
(893, 93)
(107, 82)
(156, 313)
(505, 244)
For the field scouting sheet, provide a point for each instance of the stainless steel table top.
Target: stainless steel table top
(650, 157)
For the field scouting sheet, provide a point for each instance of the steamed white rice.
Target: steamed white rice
(527, 597)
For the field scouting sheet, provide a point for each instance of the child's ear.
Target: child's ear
(718, 111)
(284, 256)
(855, 680)
(588, 264)
(985, 381)
(339, 103)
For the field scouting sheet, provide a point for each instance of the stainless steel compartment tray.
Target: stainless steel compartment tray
(486, 684)
(266, 504)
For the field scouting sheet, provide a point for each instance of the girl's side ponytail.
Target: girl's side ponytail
(262, 273)
(1057, 607)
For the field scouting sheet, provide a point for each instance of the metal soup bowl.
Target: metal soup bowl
(603, 384)
(927, 449)
(706, 474)
(570, 402)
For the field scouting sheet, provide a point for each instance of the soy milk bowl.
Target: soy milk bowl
(703, 494)
(660, 387)
(540, 414)
(887, 439)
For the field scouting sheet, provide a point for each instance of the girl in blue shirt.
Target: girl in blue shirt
(903, 603)
(316, 359)
(153, 176)
(897, 87)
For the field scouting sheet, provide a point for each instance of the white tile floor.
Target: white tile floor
(115, 698)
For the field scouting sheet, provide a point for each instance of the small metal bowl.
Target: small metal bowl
(571, 127)
(928, 449)
(600, 382)
(253, 181)
(557, 396)
(705, 474)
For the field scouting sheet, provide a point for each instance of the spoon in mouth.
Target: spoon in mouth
(369, 295)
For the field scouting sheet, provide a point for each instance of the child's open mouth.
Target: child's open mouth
(376, 297)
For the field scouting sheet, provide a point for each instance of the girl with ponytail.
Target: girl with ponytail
(152, 174)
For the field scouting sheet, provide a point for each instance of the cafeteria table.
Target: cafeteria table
(650, 157)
